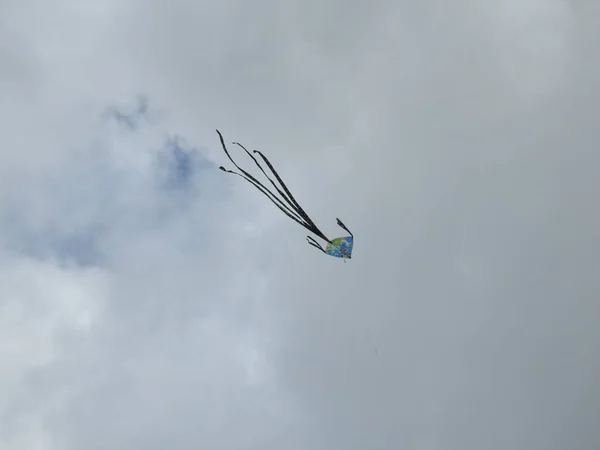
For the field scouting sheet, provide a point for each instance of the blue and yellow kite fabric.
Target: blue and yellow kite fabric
(339, 247)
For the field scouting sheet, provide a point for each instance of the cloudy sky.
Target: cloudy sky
(149, 301)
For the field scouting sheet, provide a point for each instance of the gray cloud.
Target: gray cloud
(457, 142)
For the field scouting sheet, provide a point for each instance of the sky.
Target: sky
(150, 301)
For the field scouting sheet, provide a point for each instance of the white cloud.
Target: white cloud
(43, 305)
(533, 41)
(139, 313)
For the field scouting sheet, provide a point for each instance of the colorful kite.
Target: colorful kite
(339, 247)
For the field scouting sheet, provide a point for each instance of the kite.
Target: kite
(339, 247)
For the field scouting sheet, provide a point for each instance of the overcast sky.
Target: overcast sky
(149, 301)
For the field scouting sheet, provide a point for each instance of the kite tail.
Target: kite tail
(248, 177)
(310, 226)
(341, 224)
(303, 218)
(282, 208)
(293, 200)
(285, 188)
(235, 164)
(315, 244)
(287, 200)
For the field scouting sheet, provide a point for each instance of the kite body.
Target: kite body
(339, 247)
